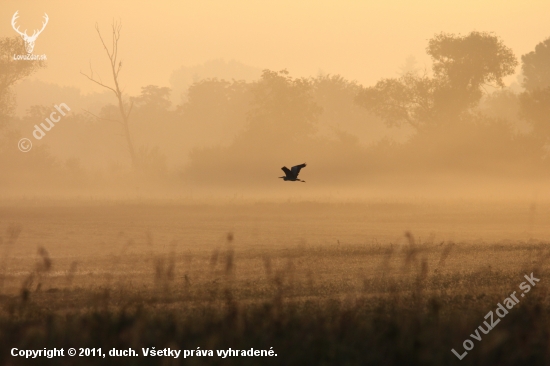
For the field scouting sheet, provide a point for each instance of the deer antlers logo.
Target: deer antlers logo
(29, 40)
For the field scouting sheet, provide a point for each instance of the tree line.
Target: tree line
(457, 117)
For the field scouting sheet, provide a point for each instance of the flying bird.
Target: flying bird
(292, 174)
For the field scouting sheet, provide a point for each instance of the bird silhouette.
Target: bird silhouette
(292, 174)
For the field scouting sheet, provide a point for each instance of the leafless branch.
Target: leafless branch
(99, 83)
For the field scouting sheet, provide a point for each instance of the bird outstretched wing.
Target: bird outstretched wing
(296, 169)
(287, 171)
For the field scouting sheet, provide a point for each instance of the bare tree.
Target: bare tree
(116, 65)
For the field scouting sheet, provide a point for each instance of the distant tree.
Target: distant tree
(207, 97)
(335, 95)
(408, 99)
(283, 106)
(535, 107)
(536, 67)
(502, 104)
(215, 111)
(182, 78)
(535, 101)
(152, 120)
(116, 65)
(153, 98)
(471, 61)
(281, 116)
(11, 71)
(462, 66)
(12, 162)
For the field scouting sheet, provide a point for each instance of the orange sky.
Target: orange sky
(361, 40)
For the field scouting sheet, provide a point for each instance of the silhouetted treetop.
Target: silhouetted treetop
(462, 65)
(408, 99)
(471, 61)
(283, 104)
(153, 97)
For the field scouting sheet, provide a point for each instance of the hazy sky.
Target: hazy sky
(361, 40)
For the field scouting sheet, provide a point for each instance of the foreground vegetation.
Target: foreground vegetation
(342, 305)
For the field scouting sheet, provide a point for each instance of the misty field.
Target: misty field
(319, 284)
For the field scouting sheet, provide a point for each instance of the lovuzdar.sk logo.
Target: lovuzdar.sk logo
(29, 40)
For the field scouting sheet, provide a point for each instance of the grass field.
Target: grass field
(320, 284)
